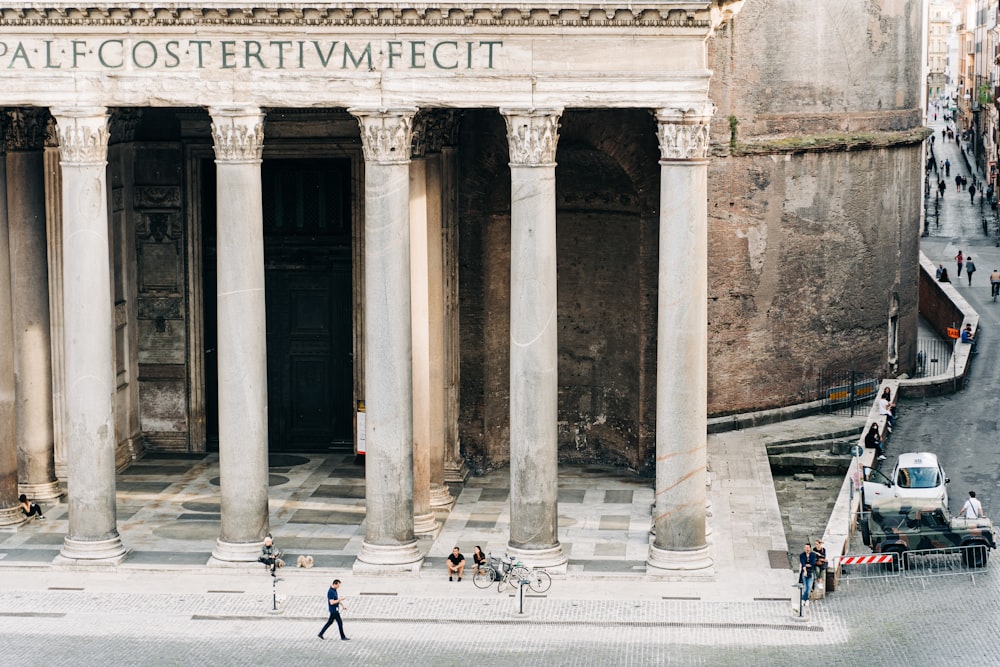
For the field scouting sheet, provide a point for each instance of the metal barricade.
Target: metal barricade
(869, 566)
(967, 559)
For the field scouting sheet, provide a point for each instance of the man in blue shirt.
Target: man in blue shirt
(807, 559)
(336, 603)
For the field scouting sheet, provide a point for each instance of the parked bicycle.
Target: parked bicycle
(508, 571)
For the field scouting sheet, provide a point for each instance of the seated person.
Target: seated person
(456, 564)
(820, 552)
(873, 440)
(967, 335)
(270, 556)
(479, 559)
(943, 276)
(30, 508)
(886, 409)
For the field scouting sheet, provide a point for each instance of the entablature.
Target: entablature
(689, 14)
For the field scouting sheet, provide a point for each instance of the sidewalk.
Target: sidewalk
(168, 516)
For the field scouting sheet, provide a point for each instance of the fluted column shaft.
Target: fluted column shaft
(89, 323)
(532, 135)
(389, 542)
(29, 276)
(682, 342)
(238, 135)
(10, 512)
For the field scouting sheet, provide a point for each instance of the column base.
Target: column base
(12, 516)
(387, 559)
(551, 558)
(425, 524)
(45, 491)
(226, 553)
(686, 565)
(441, 497)
(456, 472)
(104, 552)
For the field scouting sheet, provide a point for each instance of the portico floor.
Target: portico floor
(168, 517)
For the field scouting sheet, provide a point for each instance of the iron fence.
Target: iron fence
(933, 357)
(848, 392)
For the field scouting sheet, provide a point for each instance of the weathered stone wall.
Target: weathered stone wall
(814, 209)
(814, 196)
(606, 183)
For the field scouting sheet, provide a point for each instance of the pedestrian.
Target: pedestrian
(456, 564)
(972, 509)
(970, 268)
(873, 440)
(30, 508)
(958, 183)
(336, 605)
(959, 258)
(807, 568)
(972, 193)
(947, 167)
(941, 187)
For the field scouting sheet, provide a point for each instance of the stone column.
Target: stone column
(423, 517)
(441, 497)
(389, 543)
(10, 512)
(29, 276)
(532, 135)
(89, 323)
(682, 347)
(238, 135)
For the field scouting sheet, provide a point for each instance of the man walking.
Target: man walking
(970, 268)
(336, 603)
(972, 509)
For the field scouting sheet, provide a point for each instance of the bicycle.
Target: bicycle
(509, 572)
(995, 289)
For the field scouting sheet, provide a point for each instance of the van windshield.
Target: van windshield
(918, 478)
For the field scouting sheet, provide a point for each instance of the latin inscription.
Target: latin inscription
(236, 54)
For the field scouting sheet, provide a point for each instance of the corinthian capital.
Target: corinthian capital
(25, 129)
(386, 134)
(532, 135)
(83, 135)
(683, 131)
(238, 134)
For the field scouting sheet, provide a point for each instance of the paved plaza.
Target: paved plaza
(164, 605)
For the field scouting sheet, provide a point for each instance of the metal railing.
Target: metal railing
(848, 392)
(945, 561)
(933, 357)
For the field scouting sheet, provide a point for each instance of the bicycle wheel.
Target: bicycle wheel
(484, 577)
(540, 581)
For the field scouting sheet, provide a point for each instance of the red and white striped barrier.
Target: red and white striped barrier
(865, 560)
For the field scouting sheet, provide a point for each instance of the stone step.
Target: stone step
(850, 430)
(818, 463)
(838, 446)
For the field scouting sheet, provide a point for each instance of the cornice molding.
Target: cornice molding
(690, 14)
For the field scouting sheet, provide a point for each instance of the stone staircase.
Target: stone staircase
(824, 449)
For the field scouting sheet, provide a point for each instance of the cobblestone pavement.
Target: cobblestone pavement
(900, 621)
